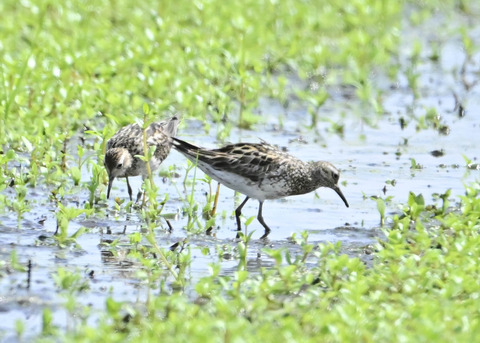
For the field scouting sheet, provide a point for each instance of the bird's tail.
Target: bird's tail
(193, 152)
(185, 147)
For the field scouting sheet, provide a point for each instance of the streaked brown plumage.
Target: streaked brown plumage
(120, 160)
(261, 171)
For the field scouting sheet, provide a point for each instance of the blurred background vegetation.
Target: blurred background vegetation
(74, 63)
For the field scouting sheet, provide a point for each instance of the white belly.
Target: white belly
(255, 190)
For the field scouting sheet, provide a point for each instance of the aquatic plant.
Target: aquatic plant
(64, 215)
(73, 72)
(412, 267)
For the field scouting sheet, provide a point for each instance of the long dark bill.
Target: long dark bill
(110, 182)
(340, 194)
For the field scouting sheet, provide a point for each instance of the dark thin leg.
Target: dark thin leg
(238, 212)
(260, 219)
(170, 227)
(129, 189)
(29, 273)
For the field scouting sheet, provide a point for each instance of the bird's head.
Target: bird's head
(117, 161)
(326, 175)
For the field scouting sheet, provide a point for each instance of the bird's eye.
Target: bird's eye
(119, 166)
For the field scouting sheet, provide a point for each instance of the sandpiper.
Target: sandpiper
(261, 171)
(120, 160)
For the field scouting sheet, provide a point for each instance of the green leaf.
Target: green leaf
(146, 108)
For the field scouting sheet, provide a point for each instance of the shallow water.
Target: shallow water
(367, 156)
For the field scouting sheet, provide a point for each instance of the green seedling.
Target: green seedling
(210, 208)
(412, 78)
(70, 281)
(48, 328)
(381, 207)
(381, 210)
(416, 205)
(15, 264)
(275, 254)
(242, 245)
(19, 329)
(20, 204)
(64, 216)
(307, 248)
(316, 98)
(191, 206)
(414, 165)
(98, 173)
(71, 284)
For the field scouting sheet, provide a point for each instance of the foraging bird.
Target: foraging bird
(261, 171)
(120, 160)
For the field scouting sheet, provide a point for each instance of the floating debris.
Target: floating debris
(473, 166)
(444, 130)
(437, 153)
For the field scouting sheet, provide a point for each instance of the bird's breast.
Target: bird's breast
(267, 186)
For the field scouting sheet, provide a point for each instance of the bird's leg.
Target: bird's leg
(260, 219)
(129, 189)
(238, 212)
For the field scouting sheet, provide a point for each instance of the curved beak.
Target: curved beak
(110, 182)
(340, 194)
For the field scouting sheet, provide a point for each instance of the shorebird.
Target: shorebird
(261, 171)
(120, 160)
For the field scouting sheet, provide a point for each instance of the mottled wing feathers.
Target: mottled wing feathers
(127, 136)
(251, 160)
(131, 136)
